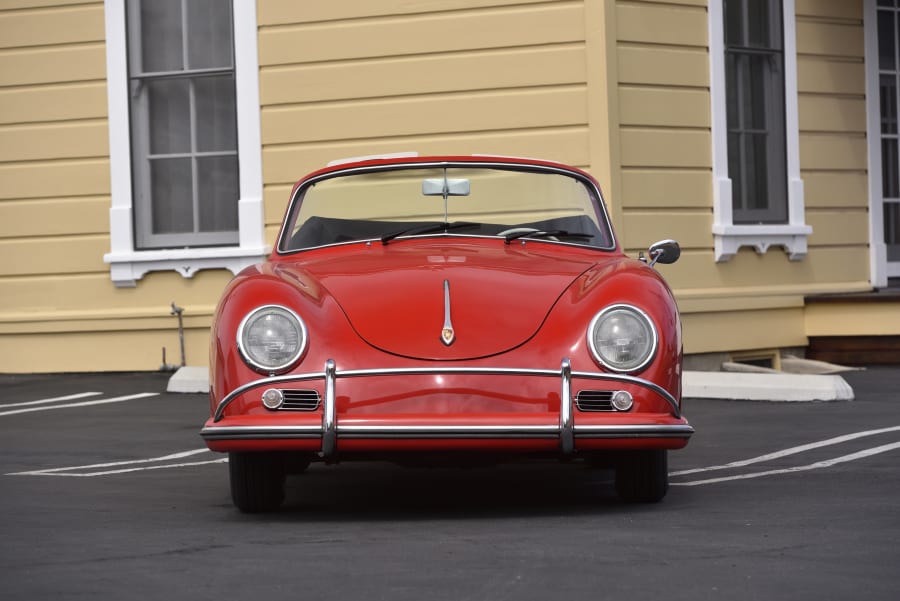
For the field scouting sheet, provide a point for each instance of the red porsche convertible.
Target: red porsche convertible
(440, 308)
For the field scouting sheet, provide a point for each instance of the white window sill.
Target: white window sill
(730, 238)
(126, 268)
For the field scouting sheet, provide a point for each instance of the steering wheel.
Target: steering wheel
(524, 230)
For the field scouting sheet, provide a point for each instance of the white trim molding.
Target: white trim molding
(729, 238)
(127, 264)
(878, 263)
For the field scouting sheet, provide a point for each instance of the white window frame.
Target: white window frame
(879, 270)
(729, 238)
(127, 265)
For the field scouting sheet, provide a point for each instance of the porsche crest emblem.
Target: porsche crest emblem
(447, 333)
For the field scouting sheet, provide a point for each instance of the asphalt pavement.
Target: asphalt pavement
(107, 492)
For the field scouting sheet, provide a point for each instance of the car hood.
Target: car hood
(397, 296)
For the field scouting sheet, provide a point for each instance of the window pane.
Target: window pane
(746, 92)
(161, 35)
(736, 171)
(169, 106)
(886, 40)
(888, 96)
(733, 90)
(758, 90)
(734, 22)
(216, 117)
(217, 193)
(889, 168)
(173, 211)
(892, 230)
(758, 23)
(748, 79)
(757, 172)
(209, 45)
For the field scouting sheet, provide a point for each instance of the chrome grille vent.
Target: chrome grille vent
(594, 400)
(300, 400)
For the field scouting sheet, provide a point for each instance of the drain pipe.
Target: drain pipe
(176, 310)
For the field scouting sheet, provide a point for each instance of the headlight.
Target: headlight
(271, 338)
(622, 338)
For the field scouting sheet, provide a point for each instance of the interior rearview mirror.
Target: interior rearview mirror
(439, 186)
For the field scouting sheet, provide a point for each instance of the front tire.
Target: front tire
(257, 481)
(642, 476)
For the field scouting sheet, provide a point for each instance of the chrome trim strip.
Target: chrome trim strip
(257, 432)
(634, 431)
(566, 426)
(458, 431)
(274, 380)
(430, 371)
(399, 432)
(329, 413)
(673, 402)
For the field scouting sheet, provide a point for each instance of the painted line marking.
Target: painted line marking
(68, 397)
(800, 468)
(117, 399)
(84, 471)
(789, 451)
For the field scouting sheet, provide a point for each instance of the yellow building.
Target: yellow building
(147, 150)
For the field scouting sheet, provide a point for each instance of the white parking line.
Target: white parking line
(118, 399)
(68, 397)
(85, 471)
(800, 468)
(789, 451)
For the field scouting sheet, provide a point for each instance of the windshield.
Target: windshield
(389, 205)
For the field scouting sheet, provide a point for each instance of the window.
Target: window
(758, 193)
(183, 122)
(184, 137)
(754, 71)
(883, 82)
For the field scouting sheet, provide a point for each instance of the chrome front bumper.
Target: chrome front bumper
(566, 431)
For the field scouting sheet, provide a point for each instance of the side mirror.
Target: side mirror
(665, 252)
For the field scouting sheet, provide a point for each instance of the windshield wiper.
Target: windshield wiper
(542, 234)
(428, 229)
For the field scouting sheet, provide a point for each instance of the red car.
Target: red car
(421, 309)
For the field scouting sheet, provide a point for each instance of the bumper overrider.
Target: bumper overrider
(669, 430)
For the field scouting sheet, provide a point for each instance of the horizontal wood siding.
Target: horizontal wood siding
(664, 123)
(54, 173)
(666, 162)
(833, 151)
(449, 76)
(59, 311)
(665, 143)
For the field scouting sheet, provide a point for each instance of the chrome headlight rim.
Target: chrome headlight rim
(642, 317)
(285, 365)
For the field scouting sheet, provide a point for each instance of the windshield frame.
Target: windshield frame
(603, 224)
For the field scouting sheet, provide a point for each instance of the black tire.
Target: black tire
(642, 476)
(257, 481)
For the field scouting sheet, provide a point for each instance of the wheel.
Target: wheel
(257, 481)
(642, 476)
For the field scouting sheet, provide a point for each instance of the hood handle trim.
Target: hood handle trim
(447, 333)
